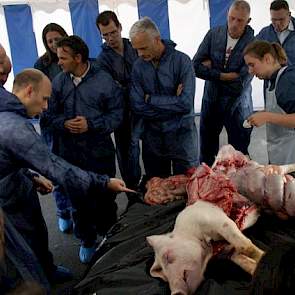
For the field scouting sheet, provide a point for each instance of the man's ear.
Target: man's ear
(249, 20)
(29, 90)
(157, 40)
(78, 58)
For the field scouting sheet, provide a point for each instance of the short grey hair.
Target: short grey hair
(145, 24)
(241, 4)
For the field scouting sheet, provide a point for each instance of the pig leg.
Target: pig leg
(230, 232)
(247, 264)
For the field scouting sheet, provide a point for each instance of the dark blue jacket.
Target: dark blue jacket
(268, 33)
(118, 66)
(164, 111)
(21, 148)
(98, 98)
(213, 47)
(49, 70)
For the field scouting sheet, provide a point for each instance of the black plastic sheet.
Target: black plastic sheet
(122, 264)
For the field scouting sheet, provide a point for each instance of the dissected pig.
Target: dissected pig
(181, 256)
(268, 185)
(215, 187)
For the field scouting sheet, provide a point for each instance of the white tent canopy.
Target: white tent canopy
(188, 23)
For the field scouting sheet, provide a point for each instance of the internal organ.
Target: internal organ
(269, 186)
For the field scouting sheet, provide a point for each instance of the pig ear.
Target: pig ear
(152, 240)
(157, 271)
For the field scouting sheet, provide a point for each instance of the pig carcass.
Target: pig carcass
(215, 187)
(269, 185)
(181, 256)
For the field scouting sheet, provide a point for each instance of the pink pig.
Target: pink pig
(181, 256)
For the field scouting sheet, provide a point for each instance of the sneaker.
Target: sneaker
(61, 275)
(65, 225)
(86, 253)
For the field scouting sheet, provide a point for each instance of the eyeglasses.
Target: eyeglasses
(110, 34)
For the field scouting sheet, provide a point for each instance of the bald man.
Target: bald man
(21, 149)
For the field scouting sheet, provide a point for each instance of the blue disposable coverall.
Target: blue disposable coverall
(169, 133)
(224, 103)
(119, 67)
(100, 100)
(21, 148)
(269, 34)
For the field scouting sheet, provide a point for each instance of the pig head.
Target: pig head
(180, 262)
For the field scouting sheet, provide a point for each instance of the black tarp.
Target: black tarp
(122, 264)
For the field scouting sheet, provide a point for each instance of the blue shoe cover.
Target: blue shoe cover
(86, 254)
(65, 225)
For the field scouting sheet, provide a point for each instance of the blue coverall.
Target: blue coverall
(21, 148)
(169, 134)
(224, 103)
(100, 100)
(269, 34)
(119, 67)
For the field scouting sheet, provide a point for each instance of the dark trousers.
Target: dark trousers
(30, 224)
(215, 115)
(97, 212)
(128, 161)
(63, 204)
(96, 215)
(172, 152)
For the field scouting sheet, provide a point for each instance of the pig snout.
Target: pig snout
(179, 287)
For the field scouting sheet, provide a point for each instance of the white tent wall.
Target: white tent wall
(188, 21)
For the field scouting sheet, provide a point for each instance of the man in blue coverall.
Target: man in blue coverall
(21, 149)
(281, 29)
(117, 58)
(227, 99)
(86, 106)
(162, 94)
